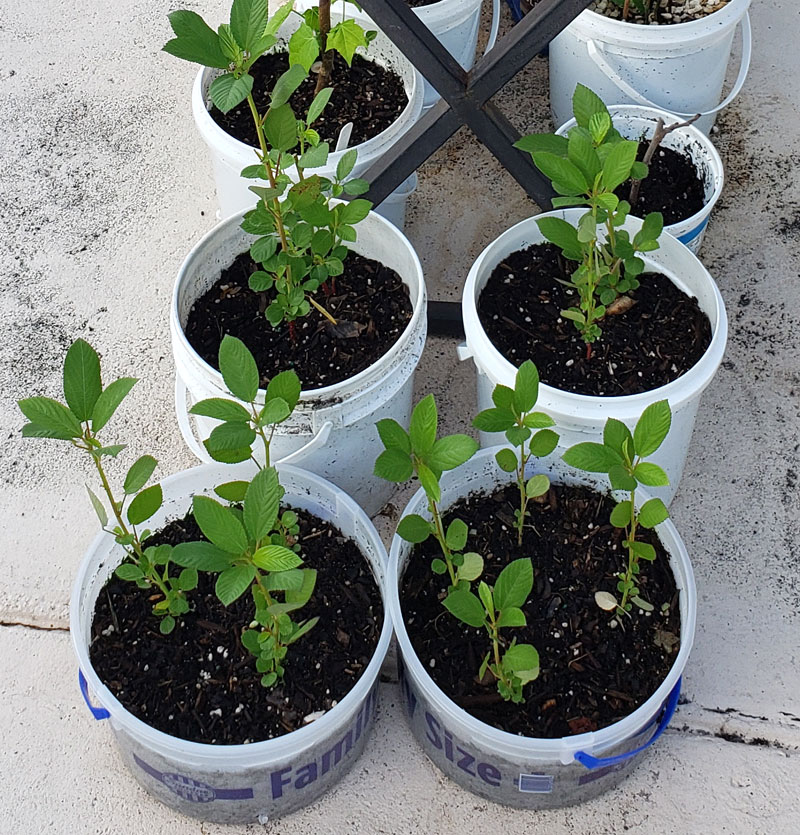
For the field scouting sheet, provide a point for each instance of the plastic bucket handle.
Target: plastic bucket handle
(593, 763)
(596, 53)
(98, 712)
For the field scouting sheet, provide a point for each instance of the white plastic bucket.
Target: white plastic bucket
(678, 67)
(581, 417)
(527, 772)
(236, 783)
(229, 156)
(635, 122)
(332, 430)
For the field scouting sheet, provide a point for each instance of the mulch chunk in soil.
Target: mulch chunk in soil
(653, 343)
(369, 301)
(366, 94)
(672, 187)
(592, 674)
(199, 683)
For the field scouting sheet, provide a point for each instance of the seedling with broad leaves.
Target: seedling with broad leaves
(513, 414)
(302, 229)
(89, 407)
(419, 453)
(622, 456)
(585, 170)
(495, 608)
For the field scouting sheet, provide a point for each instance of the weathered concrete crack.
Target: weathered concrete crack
(731, 736)
(36, 626)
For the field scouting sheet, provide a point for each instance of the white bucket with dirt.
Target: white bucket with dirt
(677, 67)
(236, 783)
(332, 430)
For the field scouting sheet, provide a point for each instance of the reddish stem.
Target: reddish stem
(292, 334)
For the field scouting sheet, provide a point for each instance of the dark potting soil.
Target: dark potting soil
(592, 674)
(653, 343)
(366, 94)
(672, 187)
(369, 302)
(199, 683)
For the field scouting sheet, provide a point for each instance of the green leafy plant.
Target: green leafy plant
(648, 9)
(495, 608)
(251, 547)
(513, 414)
(622, 456)
(585, 170)
(302, 229)
(89, 406)
(421, 454)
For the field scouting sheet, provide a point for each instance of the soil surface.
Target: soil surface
(366, 94)
(664, 11)
(653, 343)
(672, 187)
(199, 683)
(592, 673)
(369, 301)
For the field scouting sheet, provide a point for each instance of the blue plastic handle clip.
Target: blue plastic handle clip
(600, 762)
(516, 11)
(97, 712)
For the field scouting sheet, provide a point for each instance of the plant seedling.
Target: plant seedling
(622, 456)
(495, 608)
(419, 453)
(513, 414)
(250, 547)
(585, 169)
(88, 409)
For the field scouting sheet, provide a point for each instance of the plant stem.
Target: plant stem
(324, 76)
(523, 496)
(448, 557)
(632, 560)
(322, 310)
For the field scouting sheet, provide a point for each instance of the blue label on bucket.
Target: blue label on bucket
(693, 233)
(535, 783)
(190, 789)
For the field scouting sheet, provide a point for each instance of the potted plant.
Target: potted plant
(519, 665)
(685, 176)
(243, 61)
(667, 56)
(568, 288)
(207, 638)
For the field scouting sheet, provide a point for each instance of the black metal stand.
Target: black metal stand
(465, 101)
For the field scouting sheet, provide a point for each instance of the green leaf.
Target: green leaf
(315, 157)
(503, 396)
(639, 171)
(429, 482)
(585, 104)
(394, 465)
(599, 126)
(422, 429)
(302, 630)
(494, 420)
(506, 460)
(346, 164)
(231, 436)
(465, 606)
(438, 566)
(565, 176)
(228, 456)
(615, 434)
(276, 558)
(593, 458)
(50, 415)
(274, 411)
(345, 37)
(276, 20)
(512, 616)
(318, 105)
(238, 368)
(485, 594)
(248, 21)
(82, 386)
(195, 41)
(283, 580)
(356, 186)
(354, 211)
(583, 154)
(232, 491)
(187, 579)
(523, 661)
(413, 528)
(651, 475)
(538, 420)
(535, 143)
(221, 409)
(129, 572)
(471, 568)
(451, 452)
(280, 128)
(456, 535)
(286, 84)
(167, 625)
(285, 385)
(200, 555)
(219, 525)
(537, 486)
(643, 550)
(514, 584)
(262, 504)
(651, 428)
(393, 435)
(139, 474)
(621, 515)
(652, 227)
(621, 479)
(145, 504)
(562, 234)
(303, 48)
(543, 443)
(617, 166)
(653, 512)
(299, 597)
(526, 387)
(99, 509)
(227, 91)
(228, 44)
(233, 583)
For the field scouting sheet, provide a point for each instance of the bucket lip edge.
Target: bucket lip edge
(295, 742)
(705, 367)
(538, 746)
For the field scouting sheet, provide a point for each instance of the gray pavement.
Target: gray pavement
(105, 185)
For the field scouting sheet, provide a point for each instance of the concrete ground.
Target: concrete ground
(105, 187)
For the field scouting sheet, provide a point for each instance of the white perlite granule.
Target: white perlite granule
(670, 11)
